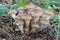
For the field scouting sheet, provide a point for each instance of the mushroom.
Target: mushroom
(29, 11)
(27, 19)
(45, 16)
(12, 13)
(35, 27)
(49, 12)
(38, 8)
(44, 22)
(19, 16)
(36, 14)
(30, 6)
(21, 10)
(20, 24)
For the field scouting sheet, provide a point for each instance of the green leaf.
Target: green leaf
(15, 6)
(59, 17)
(3, 9)
(17, 1)
(21, 3)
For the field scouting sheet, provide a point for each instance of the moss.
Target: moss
(3, 9)
(15, 6)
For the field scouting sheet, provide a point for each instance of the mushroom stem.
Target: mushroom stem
(27, 25)
(20, 24)
(27, 22)
(13, 16)
(20, 27)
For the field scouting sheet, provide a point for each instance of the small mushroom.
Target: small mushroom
(44, 22)
(30, 6)
(36, 14)
(12, 13)
(45, 16)
(38, 8)
(35, 27)
(19, 16)
(49, 12)
(21, 10)
(27, 19)
(20, 24)
(30, 11)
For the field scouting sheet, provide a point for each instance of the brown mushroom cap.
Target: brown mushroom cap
(49, 12)
(27, 17)
(38, 8)
(12, 12)
(35, 25)
(19, 16)
(44, 16)
(44, 22)
(20, 8)
(18, 22)
(30, 6)
(36, 14)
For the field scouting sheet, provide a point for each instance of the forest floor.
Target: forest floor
(8, 33)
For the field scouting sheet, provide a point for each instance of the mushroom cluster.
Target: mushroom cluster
(28, 18)
(46, 16)
(44, 19)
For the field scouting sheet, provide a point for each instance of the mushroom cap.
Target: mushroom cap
(20, 8)
(27, 17)
(18, 22)
(19, 16)
(30, 6)
(49, 12)
(44, 16)
(44, 22)
(35, 25)
(39, 8)
(12, 12)
(37, 13)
